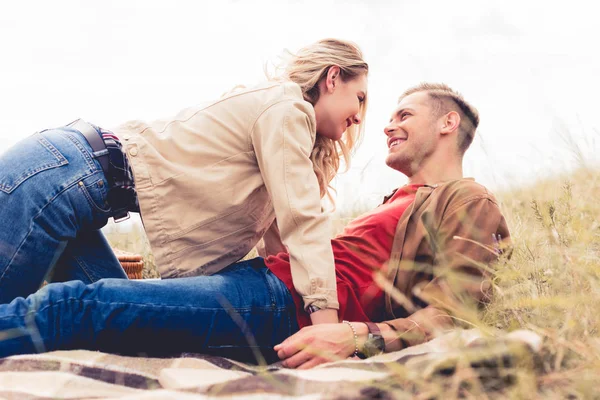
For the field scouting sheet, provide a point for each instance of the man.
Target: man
(443, 241)
(403, 270)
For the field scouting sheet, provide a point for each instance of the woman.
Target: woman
(209, 183)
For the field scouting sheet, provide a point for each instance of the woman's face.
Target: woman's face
(339, 103)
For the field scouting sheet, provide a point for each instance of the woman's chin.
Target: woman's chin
(332, 135)
(339, 134)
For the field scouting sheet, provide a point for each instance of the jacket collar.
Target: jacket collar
(431, 186)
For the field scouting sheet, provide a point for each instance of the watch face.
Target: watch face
(374, 345)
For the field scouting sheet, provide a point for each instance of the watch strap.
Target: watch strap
(373, 328)
(312, 308)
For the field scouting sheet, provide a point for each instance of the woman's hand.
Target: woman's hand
(317, 344)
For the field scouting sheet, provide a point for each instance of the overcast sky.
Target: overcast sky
(531, 68)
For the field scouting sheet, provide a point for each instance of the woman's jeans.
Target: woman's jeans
(52, 205)
(241, 312)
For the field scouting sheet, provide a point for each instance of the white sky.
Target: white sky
(531, 68)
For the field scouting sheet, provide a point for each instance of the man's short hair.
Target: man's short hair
(445, 99)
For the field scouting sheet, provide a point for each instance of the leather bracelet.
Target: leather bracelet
(355, 337)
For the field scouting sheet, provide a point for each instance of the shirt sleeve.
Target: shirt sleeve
(283, 138)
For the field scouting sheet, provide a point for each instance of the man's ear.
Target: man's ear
(332, 78)
(450, 122)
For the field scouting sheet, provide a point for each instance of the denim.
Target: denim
(240, 312)
(52, 205)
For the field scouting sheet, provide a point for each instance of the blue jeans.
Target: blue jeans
(239, 312)
(52, 205)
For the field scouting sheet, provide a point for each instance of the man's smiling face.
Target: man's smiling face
(412, 134)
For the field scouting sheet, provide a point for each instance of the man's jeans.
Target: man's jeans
(240, 312)
(52, 204)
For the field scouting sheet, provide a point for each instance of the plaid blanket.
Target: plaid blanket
(94, 375)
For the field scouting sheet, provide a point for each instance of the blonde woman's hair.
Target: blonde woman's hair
(445, 99)
(307, 67)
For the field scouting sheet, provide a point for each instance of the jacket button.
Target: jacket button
(127, 136)
(133, 152)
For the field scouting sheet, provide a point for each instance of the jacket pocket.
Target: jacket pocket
(26, 159)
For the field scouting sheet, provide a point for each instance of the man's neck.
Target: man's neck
(436, 173)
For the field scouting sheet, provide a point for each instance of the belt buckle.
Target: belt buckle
(125, 217)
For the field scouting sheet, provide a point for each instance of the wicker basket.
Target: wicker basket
(133, 264)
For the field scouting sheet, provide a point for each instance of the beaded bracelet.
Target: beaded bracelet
(355, 337)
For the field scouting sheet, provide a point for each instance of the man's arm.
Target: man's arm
(464, 246)
(317, 344)
(418, 328)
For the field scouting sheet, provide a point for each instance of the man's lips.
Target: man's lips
(348, 123)
(395, 141)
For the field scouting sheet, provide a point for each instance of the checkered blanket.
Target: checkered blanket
(94, 375)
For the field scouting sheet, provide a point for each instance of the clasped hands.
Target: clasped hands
(318, 344)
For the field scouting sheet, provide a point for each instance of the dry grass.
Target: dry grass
(551, 285)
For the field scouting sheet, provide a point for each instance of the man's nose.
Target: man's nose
(388, 130)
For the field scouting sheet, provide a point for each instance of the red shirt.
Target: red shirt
(363, 247)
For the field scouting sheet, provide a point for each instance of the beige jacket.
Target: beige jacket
(211, 181)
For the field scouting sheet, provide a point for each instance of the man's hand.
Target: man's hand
(325, 316)
(317, 344)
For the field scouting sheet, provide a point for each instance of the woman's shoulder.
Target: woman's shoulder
(282, 104)
(292, 90)
(285, 97)
(280, 91)
(267, 93)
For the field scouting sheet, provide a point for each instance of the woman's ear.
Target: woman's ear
(333, 76)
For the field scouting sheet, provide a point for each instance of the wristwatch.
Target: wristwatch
(375, 343)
